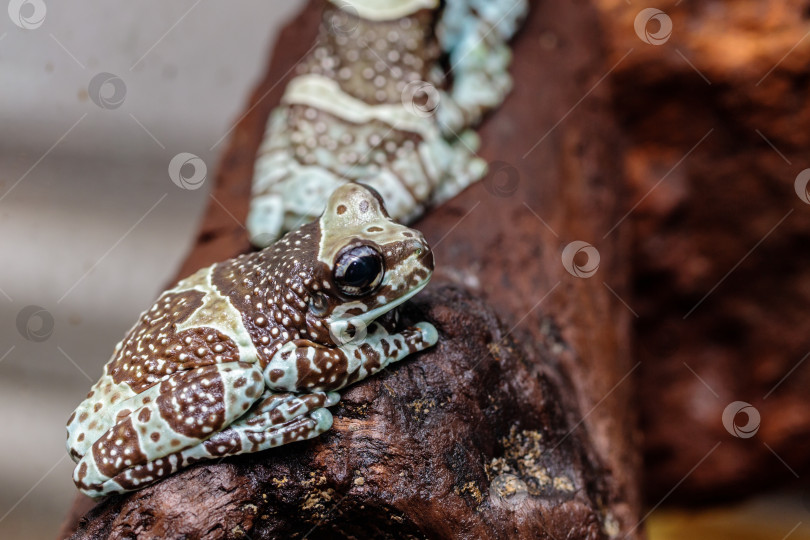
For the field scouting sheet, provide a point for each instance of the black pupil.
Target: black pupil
(361, 270)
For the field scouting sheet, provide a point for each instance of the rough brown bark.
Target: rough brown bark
(431, 449)
(514, 429)
(733, 193)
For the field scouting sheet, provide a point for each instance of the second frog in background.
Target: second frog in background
(388, 96)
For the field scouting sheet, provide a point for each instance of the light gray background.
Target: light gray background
(91, 226)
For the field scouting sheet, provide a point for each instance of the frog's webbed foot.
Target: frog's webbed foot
(278, 419)
(276, 410)
(332, 368)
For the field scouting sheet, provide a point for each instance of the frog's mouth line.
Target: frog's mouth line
(386, 314)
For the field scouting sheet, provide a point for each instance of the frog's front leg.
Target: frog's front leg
(302, 365)
(183, 410)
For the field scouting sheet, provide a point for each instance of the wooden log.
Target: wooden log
(519, 423)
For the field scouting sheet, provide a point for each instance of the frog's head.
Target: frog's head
(368, 264)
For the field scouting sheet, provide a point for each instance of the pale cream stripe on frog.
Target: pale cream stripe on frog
(333, 237)
(217, 312)
(326, 95)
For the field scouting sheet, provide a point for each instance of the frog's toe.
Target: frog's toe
(298, 429)
(332, 398)
(323, 420)
(420, 336)
(430, 336)
(279, 409)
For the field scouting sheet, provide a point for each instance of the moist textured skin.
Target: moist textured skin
(244, 355)
(371, 102)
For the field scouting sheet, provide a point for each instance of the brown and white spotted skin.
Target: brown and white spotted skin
(246, 354)
(389, 95)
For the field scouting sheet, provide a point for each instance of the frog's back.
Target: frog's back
(189, 326)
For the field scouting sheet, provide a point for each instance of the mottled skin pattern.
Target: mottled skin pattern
(246, 354)
(373, 102)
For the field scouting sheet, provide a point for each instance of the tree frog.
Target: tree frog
(248, 353)
(387, 96)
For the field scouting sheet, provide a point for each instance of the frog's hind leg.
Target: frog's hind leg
(279, 419)
(274, 420)
(181, 411)
(275, 409)
(94, 416)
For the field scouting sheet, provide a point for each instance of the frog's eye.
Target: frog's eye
(359, 271)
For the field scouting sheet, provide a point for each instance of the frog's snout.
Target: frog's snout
(423, 254)
(426, 258)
